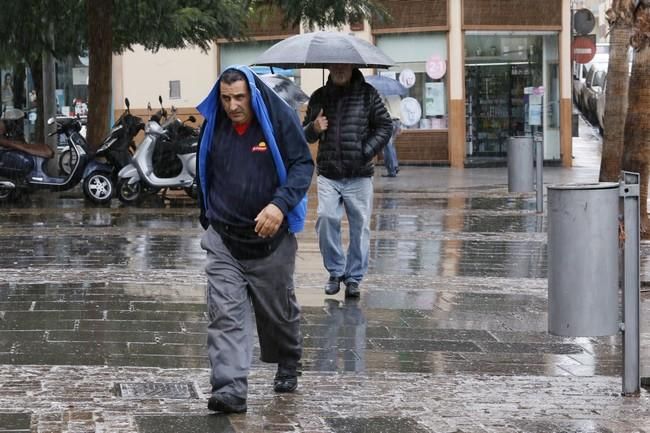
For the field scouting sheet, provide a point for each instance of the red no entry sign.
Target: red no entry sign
(583, 49)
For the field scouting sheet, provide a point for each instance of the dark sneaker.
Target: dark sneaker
(286, 379)
(227, 403)
(333, 285)
(352, 290)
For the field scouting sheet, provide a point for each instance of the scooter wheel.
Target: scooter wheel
(98, 187)
(65, 162)
(7, 195)
(129, 193)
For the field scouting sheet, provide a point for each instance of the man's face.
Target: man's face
(236, 101)
(341, 74)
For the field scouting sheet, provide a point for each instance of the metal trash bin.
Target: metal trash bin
(521, 151)
(583, 259)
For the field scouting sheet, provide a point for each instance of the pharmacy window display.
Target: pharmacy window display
(421, 70)
(509, 85)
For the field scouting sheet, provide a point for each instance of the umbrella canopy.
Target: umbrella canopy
(286, 89)
(321, 49)
(386, 86)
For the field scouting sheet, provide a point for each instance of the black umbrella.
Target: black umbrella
(321, 49)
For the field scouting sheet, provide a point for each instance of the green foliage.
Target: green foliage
(322, 13)
(29, 27)
(159, 24)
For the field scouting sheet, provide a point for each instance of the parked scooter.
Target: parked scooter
(23, 166)
(144, 175)
(117, 149)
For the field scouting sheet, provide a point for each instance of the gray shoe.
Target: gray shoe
(352, 290)
(333, 285)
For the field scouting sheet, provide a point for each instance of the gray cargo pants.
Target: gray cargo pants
(234, 286)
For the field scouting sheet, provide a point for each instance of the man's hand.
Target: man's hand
(268, 221)
(320, 122)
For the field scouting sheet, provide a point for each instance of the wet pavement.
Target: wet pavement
(102, 320)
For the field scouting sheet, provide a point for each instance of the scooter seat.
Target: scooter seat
(36, 149)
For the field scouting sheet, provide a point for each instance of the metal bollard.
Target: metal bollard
(584, 240)
(583, 259)
(520, 164)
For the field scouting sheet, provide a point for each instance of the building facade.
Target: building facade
(477, 73)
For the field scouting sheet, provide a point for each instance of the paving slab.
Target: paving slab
(102, 320)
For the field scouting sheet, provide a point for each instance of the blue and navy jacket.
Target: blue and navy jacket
(284, 136)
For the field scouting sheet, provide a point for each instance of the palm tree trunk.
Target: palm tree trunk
(100, 53)
(636, 153)
(616, 97)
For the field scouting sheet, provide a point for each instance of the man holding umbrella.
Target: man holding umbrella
(350, 121)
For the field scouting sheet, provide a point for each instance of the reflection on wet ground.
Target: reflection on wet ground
(457, 285)
(435, 328)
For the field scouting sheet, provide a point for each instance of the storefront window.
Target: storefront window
(72, 86)
(421, 66)
(511, 81)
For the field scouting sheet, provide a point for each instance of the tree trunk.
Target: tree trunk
(636, 153)
(100, 49)
(616, 98)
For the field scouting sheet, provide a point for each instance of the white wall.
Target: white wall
(145, 75)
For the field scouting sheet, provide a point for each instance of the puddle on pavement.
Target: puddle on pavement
(88, 324)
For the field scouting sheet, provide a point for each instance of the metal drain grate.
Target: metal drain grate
(147, 390)
(375, 425)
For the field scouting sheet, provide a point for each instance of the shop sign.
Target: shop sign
(411, 111)
(436, 67)
(407, 78)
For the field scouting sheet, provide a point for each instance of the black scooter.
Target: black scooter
(23, 166)
(117, 150)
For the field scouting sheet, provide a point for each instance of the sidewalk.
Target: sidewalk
(102, 321)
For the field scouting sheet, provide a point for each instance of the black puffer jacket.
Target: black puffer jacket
(358, 128)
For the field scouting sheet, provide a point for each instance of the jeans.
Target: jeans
(354, 195)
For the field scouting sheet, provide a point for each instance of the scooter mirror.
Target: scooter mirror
(149, 106)
(160, 99)
(191, 119)
(127, 103)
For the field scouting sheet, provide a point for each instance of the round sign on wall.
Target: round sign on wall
(411, 111)
(583, 49)
(436, 67)
(407, 78)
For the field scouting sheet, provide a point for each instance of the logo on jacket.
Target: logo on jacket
(261, 147)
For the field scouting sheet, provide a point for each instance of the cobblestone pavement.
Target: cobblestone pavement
(102, 320)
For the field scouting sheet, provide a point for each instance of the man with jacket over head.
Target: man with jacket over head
(351, 124)
(253, 170)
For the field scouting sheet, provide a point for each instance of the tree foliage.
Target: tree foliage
(27, 27)
(322, 13)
